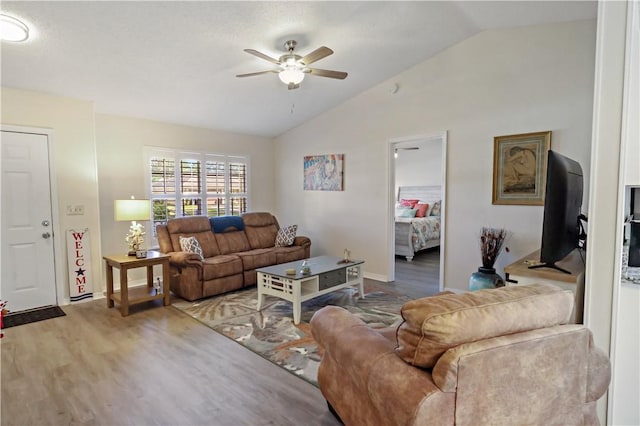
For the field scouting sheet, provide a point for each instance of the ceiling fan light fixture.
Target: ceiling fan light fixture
(293, 67)
(12, 29)
(291, 75)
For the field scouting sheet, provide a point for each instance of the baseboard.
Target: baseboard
(376, 277)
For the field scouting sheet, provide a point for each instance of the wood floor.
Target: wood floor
(421, 276)
(157, 366)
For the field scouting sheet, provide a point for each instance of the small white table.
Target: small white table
(327, 274)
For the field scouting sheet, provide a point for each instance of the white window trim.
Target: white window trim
(202, 156)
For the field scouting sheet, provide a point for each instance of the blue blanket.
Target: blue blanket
(222, 224)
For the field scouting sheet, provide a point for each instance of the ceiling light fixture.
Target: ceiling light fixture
(291, 75)
(292, 72)
(12, 29)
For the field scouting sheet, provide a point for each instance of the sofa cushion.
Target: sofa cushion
(220, 266)
(257, 258)
(232, 242)
(289, 254)
(196, 226)
(286, 236)
(261, 229)
(432, 325)
(191, 245)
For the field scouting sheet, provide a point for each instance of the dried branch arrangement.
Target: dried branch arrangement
(491, 244)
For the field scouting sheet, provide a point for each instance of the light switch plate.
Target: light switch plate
(75, 210)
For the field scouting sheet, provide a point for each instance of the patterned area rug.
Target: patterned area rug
(271, 332)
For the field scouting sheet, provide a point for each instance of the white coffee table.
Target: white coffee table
(327, 274)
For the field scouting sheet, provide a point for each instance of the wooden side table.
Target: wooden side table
(126, 296)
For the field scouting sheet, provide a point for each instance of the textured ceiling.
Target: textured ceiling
(176, 61)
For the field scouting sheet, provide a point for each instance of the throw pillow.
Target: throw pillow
(286, 236)
(406, 213)
(435, 210)
(400, 210)
(191, 245)
(422, 209)
(408, 203)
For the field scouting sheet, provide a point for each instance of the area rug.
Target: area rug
(271, 332)
(34, 315)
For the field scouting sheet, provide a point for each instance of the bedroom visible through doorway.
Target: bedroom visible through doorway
(417, 187)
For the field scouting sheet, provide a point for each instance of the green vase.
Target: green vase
(485, 278)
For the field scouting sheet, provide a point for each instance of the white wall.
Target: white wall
(120, 142)
(496, 83)
(98, 158)
(74, 162)
(419, 167)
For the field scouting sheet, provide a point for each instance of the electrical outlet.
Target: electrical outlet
(78, 209)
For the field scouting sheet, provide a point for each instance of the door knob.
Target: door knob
(45, 223)
(46, 235)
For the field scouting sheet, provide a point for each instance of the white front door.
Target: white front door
(28, 274)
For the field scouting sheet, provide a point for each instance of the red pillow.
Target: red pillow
(408, 203)
(422, 209)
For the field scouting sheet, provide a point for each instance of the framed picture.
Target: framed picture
(323, 172)
(520, 168)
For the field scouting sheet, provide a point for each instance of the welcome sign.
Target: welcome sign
(79, 258)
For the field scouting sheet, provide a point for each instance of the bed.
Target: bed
(414, 234)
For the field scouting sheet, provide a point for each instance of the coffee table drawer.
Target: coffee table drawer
(332, 279)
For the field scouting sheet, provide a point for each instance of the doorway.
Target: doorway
(418, 164)
(29, 278)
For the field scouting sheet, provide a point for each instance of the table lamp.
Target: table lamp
(133, 210)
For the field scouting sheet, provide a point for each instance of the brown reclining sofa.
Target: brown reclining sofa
(232, 247)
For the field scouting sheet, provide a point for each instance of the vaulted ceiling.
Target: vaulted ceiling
(177, 61)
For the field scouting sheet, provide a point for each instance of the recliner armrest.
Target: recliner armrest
(366, 382)
(184, 258)
(599, 372)
(302, 241)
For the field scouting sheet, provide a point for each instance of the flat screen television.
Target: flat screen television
(561, 225)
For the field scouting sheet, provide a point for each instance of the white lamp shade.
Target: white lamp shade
(291, 75)
(132, 210)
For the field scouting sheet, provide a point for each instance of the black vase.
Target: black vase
(485, 278)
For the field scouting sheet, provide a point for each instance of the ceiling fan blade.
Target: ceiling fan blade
(262, 56)
(316, 55)
(251, 74)
(329, 73)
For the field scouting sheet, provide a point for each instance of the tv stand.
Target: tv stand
(521, 272)
(550, 265)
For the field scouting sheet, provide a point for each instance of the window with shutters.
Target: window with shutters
(190, 183)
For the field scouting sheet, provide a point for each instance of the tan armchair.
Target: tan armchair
(503, 356)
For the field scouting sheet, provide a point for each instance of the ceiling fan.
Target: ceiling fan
(292, 67)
